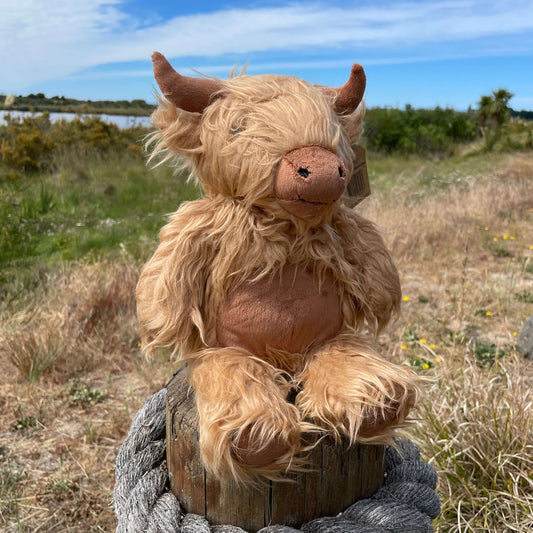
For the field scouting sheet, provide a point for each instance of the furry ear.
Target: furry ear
(178, 131)
(352, 124)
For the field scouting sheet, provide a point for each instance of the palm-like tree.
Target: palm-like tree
(500, 105)
(493, 113)
(484, 112)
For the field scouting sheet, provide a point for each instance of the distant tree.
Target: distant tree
(500, 110)
(485, 105)
(493, 113)
(527, 115)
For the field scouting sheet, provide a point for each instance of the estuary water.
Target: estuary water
(122, 121)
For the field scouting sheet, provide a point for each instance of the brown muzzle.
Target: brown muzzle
(309, 180)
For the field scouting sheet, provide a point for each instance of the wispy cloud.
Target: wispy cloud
(46, 41)
(67, 37)
(299, 27)
(289, 66)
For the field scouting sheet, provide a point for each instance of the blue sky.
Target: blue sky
(427, 53)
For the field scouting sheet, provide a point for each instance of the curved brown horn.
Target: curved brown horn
(189, 94)
(349, 96)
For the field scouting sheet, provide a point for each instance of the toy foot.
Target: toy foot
(235, 445)
(256, 453)
(247, 428)
(377, 421)
(361, 396)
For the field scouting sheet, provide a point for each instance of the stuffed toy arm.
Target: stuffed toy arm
(240, 437)
(348, 387)
(375, 289)
(171, 289)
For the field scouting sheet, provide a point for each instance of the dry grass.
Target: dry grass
(83, 315)
(72, 376)
(466, 260)
(72, 380)
(478, 431)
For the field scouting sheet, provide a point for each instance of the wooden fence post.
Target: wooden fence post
(339, 476)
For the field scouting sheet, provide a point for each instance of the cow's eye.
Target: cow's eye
(235, 130)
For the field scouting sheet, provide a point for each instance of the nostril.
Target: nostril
(341, 173)
(303, 172)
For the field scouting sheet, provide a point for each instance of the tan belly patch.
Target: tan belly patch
(289, 312)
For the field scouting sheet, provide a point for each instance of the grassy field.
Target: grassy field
(72, 242)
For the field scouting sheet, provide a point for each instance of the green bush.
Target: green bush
(25, 143)
(35, 143)
(418, 131)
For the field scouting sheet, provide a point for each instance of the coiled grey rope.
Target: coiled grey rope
(407, 502)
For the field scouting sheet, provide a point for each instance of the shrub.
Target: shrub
(418, 131)
(35, 143)
(25, 142)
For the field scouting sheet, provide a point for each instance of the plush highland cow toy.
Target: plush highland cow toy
(267, 284)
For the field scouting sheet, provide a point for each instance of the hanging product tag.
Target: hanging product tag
(359, 186)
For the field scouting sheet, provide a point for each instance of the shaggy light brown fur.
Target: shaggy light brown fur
(237, 234)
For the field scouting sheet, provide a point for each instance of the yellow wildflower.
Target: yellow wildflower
(423, 341)
(495, 239)
(486, 228)
(404, 347)
(511, 237)
(488, 313)
(425, 366)
(432, 346)
(515, 333)
(438, 360)
(406, 298)
(506, 237)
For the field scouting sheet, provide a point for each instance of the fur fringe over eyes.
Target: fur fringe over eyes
(247, 132)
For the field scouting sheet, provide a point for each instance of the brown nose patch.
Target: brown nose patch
(308, 180)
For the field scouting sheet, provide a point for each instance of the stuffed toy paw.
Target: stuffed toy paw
(270, 287)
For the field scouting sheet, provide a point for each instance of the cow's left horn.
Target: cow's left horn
(349, 96)
(189, 94)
